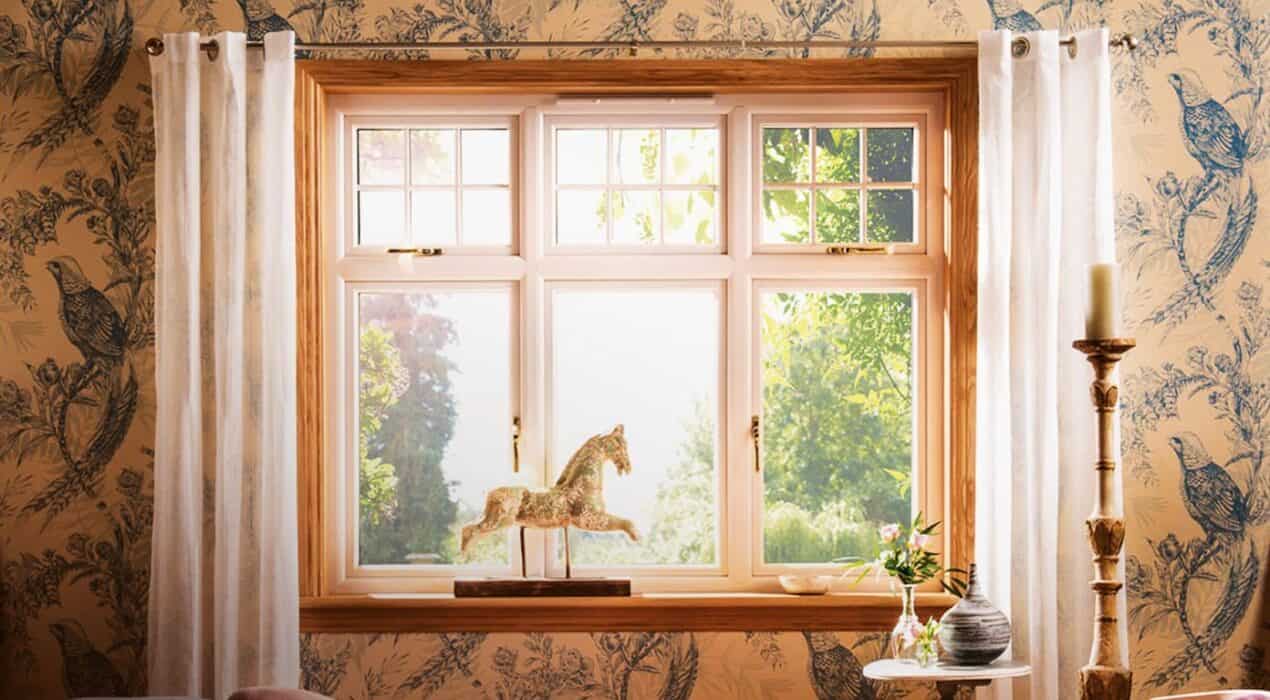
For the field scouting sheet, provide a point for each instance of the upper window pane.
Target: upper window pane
(786, 155)
(432, 157)
(638, 156)
(647, 359)
(381, 157)
(434, 422)
(630, 186)
(692, 156)
(439, 187)
(486, 157)
(854, 184)
(837, 155)
(891, 155)
(581, 156)
(838, 442)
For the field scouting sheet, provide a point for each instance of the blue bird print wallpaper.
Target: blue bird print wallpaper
(77, 343)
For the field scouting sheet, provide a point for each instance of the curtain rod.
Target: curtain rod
(1019, 47)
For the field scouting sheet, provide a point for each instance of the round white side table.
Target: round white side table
(948, 679)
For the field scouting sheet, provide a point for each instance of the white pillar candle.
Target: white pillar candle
(1102, 314)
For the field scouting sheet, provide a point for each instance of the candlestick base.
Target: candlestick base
(1105, 683)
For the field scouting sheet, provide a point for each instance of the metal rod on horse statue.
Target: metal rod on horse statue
(1106, 676)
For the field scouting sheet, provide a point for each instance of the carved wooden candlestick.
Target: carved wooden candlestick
(1106, 677)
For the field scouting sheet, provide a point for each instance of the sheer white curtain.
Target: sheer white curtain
(1045, 212)
(224, 603)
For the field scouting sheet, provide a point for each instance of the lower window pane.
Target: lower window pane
(838, 440)
(435, 412)
(648, 359)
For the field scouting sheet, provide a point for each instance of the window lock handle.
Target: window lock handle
(421, 252)
(516, 444)
(858, 249)
(754, 434)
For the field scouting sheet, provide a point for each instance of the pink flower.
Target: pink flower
(919, 541)
(890, 533)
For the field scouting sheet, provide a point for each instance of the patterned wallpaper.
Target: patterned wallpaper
(77, 338)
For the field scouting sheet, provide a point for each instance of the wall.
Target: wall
(75, 476)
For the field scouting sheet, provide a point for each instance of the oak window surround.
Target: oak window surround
(329, 607)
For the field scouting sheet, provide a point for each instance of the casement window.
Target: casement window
(755, 286)
(644, 280)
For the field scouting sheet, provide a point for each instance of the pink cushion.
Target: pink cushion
(275, 694)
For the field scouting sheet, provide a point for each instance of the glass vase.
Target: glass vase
(907, 630)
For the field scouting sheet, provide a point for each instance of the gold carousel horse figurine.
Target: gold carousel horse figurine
(576, 500)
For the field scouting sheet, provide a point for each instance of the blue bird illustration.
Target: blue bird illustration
(1241, 219)
(836, 673)
(91, 322)
(1212, 136)
(1009, 14)
(260, 18)
(81, 104)
(1212, 498)
(85, 670)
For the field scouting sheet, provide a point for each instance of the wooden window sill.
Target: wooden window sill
(640, 612)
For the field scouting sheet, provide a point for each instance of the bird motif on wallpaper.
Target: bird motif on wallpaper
(79, 107)
(1211, 496)
(89, 319)
(85, 670)
(1212, 136)
(259, 19)
(1009, 14)
(836, 673)
(1241, 219)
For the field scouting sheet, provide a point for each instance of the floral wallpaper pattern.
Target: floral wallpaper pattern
(77, 339)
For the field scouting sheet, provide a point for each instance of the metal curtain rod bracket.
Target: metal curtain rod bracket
(1019, 47)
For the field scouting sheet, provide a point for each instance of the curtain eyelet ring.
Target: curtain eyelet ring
(1020, 47)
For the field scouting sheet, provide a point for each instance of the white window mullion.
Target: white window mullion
(739, 476)
(535, 183)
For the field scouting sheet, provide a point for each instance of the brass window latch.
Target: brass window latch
(516, 444)
(754, 433)
(858, 249)
(420, 252)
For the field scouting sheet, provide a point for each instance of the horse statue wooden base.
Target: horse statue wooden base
(577, 499)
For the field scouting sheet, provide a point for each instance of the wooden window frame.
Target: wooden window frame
(322, 611)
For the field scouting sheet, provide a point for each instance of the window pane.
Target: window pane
(785, 216)
(487, 217)
(638, 153)
(381, 218)
(435, 411)
(838, 216)
(891, 155)
(838, 444)
(689, 217)
(432, 216)
(786, 157)
(646, 359)
(381, 157)
(635, 216)
(693, 156)
(581, 155)
(837, 155)
(891, 214)
(486, 157)
(432, 157)
(580, 217)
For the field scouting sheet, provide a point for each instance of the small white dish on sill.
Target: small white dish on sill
(805, 585)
